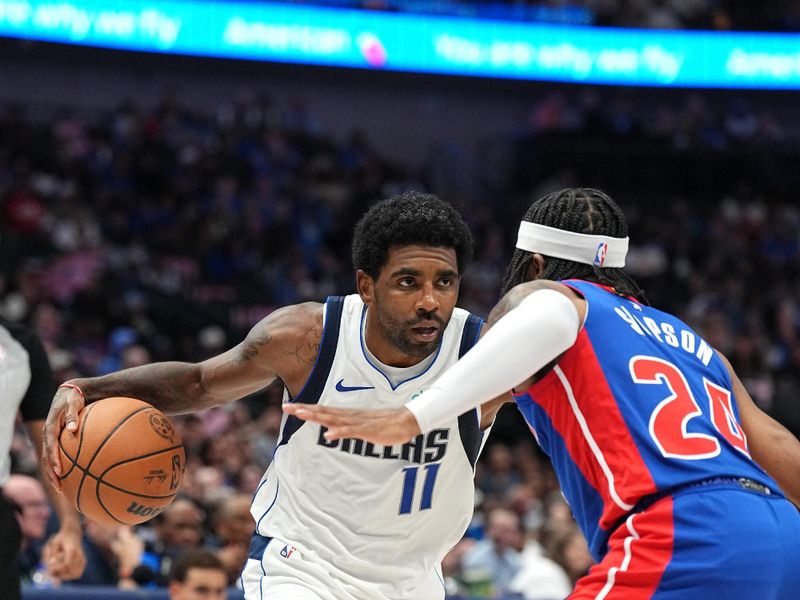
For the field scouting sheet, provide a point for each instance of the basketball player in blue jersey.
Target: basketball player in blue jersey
(344, 520)
(677, 480)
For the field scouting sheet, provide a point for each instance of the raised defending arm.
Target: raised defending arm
(540, 320)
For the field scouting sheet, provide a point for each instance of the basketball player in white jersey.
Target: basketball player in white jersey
(344, 520)
(26, 386)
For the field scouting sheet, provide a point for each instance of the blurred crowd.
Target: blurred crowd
(722, 15)
(164, 234)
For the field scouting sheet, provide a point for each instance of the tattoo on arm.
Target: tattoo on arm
(306, 351)
(251, 346)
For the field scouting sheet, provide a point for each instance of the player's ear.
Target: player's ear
(365, 285)
(535, 267)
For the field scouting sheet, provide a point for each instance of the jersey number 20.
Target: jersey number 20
(670, 420)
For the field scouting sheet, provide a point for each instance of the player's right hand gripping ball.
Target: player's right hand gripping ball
(124, 463)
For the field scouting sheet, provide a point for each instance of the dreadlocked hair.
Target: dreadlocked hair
(582, 210)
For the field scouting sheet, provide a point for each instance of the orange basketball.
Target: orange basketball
(123, 464)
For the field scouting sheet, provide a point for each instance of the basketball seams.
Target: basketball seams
(101, 479)
(100, 447)
(140, 456)
(111, 436)
(103, 506)
(138, 495)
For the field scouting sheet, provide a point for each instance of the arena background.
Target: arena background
(154, 207)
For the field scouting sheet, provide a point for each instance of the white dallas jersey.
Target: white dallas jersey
(380, 517)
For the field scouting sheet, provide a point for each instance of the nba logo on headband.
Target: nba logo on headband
(600, 255)
(584, 248)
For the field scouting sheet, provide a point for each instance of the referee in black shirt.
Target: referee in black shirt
(27, 385)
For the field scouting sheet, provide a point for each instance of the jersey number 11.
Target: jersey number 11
(410, 485)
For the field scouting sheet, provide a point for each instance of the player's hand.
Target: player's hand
(233, 558)
(128, 548)
(63, 555)
(67, 404)
(387, 427)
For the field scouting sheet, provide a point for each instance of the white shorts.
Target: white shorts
(284, 574)
(276, 570)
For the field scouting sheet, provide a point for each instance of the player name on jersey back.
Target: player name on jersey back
(663, 332)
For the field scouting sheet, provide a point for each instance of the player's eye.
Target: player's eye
(406, 282)
(447, 282)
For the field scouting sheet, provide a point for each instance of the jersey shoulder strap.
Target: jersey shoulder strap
(469, 427)
(312, 390)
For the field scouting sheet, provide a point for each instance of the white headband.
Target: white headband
(598, 250)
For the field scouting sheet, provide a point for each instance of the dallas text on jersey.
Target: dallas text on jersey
(422, 450)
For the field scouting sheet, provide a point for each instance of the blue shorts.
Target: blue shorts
(720, 542)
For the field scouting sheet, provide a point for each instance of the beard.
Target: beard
(399, 333)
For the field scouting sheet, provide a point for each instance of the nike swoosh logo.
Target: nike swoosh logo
(340, 387)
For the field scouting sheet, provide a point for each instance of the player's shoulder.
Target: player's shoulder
(518, 293)
(302, 311)
(289, 324)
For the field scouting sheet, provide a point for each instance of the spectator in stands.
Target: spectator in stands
(571, 552)
(496, 557)
(198, 575)
(178, 530)
(498, 475)
(539, 577)
(233, 528)
(32, 511)
(113, 554)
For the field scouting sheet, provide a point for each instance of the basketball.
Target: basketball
(124, 463)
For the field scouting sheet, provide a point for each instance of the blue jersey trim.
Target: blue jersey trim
(258, 545)
(258, 489)
(470, 334)
(374, 366)
(469, 426)
(312, 390)
(274, 500)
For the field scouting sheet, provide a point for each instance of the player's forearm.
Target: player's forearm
(779, 455)
(68, 518)
(521, 343)
(172, 387)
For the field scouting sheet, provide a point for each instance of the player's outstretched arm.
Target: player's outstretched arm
(387, 427)
(284, 345)
(532, 326)
(771, 445)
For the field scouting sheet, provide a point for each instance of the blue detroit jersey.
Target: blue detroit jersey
(639, 405)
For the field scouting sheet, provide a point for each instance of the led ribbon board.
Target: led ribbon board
(408, 42)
